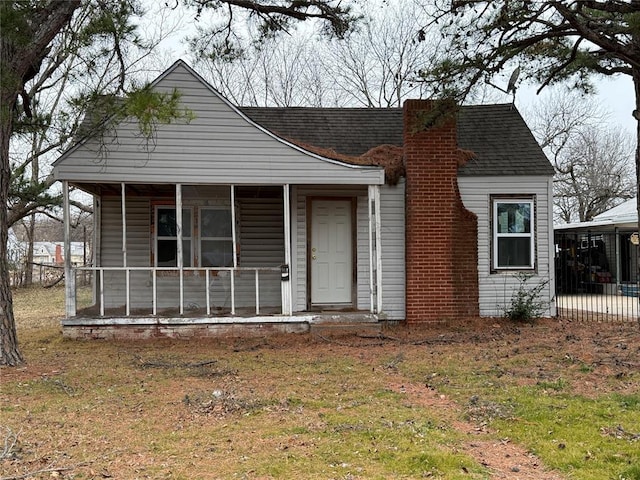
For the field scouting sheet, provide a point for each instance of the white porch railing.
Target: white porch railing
(181, 274)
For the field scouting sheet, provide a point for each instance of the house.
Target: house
(52, 253)
(280, 217)
(601, 255)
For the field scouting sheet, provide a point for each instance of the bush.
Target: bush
(526, 302)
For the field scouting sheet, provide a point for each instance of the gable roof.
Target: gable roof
(219, 145)
(497, 134)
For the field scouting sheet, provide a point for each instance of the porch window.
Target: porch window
(167, 237)
(216, 237)
(513, 234)
(209, 238)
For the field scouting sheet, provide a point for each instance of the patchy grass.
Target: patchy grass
(410, 404)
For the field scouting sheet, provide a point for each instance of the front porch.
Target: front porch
(183, 260)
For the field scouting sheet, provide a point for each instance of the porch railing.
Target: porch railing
(181, 275)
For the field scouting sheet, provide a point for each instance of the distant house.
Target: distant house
(282, 217)
(52, 253)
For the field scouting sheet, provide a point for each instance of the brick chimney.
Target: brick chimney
(441, 234)
(59, 259)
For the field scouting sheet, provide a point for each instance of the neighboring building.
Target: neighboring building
(48, 259)
(52, 253)
(288, 215)
(599, 256)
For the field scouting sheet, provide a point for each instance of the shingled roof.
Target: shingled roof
(497, 134)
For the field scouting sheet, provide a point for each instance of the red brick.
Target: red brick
(441, 235)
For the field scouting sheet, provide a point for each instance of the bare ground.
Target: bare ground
(554, 347)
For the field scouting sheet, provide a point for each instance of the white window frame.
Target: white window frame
(202, 238)
(531, 235)
(186, 236)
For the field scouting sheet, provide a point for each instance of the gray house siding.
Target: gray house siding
(219, 146)
(392, 237)
(393, 255)
(495, 289)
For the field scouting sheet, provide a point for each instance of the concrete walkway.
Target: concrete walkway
(598, 307)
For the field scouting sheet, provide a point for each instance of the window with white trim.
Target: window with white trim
(207, 243)
(166, 241)
(513, 234)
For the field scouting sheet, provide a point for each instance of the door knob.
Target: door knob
(313, 257)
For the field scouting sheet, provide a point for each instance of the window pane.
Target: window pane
(217, 253)
(514, 217)
(216, 223)
(514, 252)
(167, 222)
(167, 253)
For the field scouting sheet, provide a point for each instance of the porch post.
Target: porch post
(287, 288)
(233, 224)
(124, 223)
(372, 302)
(375, 249)
(378, 229)
(124, 246)
(96, 262)
(618, 259)
(69, 274)
(179, 260)
(234, 247)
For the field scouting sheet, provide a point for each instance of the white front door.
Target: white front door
(331, 252)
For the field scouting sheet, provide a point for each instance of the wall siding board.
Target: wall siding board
(219, 146)
(496, 289)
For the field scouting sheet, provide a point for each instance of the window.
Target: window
(216, 237)
(513, 234)
(167, 237)
(210, 239)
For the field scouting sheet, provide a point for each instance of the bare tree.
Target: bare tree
(593, 163)
(595, 173)
(378, 65)
(71, 74)
(375, 65)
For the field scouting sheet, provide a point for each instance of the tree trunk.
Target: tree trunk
(23, 46)
(9, 352)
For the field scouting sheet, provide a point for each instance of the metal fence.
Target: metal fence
(596, 275)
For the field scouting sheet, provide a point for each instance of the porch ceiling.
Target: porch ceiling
(169, 189)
